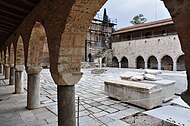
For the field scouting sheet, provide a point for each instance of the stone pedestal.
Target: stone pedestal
(12, 76)
(7, 72)
(33, 87)
(66, 105)
(33, 91)
(19, 79)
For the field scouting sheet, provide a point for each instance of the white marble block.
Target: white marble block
(141, 94)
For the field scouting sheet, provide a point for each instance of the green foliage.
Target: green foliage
(139, 19)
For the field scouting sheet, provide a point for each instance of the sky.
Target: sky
(125, 10)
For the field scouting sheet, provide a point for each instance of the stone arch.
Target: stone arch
(124, 62)
(104, 62)
(152, 62)
(67, 43)
(115, 62)
(181, 63)
(140, 63)
(166, 63)
(19, 56)
(35, 48)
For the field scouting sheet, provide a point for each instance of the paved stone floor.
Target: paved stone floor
(96, 109)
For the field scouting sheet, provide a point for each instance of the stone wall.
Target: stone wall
(158, 47)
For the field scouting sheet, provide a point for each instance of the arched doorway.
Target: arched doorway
(140, 62)
(124, 62)
(115, 62)
(166, 63)
(152, 62)
(104, 62)
(181, 63)
(90, 57)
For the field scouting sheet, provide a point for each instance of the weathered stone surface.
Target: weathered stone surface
(150, 77)
(137, 78)
(137, 93)
(168, 88)
(34, 69)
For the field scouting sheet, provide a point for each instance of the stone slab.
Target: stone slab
(173, 114)
(137, 93)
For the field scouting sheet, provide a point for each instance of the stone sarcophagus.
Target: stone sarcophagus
(141, 94)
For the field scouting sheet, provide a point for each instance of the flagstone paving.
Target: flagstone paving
(95, 108)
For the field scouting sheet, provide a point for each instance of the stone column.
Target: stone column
(146, 65)
(159, 65)
(66, 97)
(19, 78)
(1, 68)
(33, 87)
(12, 75)
(7, 71)
(174, 66)
(66, 105)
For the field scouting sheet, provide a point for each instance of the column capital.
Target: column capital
(67, 78)
(11, 65)
(6, 65)
(19, 67)
(33, 69)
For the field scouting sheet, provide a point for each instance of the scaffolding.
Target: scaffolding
(99, 37)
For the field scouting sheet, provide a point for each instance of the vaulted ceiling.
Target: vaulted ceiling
(12, 13)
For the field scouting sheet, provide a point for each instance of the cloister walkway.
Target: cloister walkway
(96, 109)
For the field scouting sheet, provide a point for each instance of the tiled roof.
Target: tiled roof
(144, 26)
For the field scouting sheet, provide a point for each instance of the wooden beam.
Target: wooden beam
(8, 23)
(10, 4)
(10, 12)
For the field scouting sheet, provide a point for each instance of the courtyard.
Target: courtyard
(95, 108)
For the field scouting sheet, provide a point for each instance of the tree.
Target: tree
(139, 19)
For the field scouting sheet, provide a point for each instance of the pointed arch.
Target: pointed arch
(36, 44)
(140, 63)
(152, 62)
(104, 62)
(124, 62)
(181, 63)
(19, 56)
(115, 62)
(166, 63)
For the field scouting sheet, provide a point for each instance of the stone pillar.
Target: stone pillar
(66, 105)
(159, 65)
(7, 71)
(12, 75)
(146, 65)
(19, 79)
(33, 87)
(174, 66)
(1, 68)
(120, 64)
